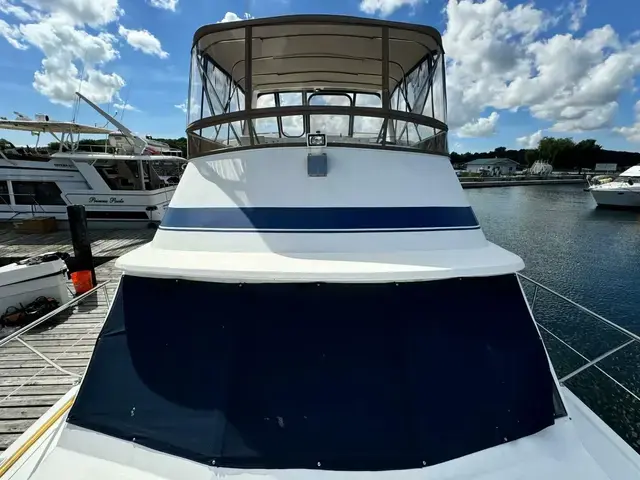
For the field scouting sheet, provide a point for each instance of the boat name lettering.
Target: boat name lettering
(104, 200)
(62, 165)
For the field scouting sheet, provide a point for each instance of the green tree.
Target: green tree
(586, 152)
(500, 152)
(551, 148)
(588, 145)
(531, 156)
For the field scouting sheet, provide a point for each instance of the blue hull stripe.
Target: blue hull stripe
(320, 219)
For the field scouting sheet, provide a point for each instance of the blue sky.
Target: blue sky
(572, 71)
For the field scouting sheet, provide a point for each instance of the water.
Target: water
(590, 255)
(593, 257)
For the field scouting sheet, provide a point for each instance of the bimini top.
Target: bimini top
(52, 126)
(317, 51)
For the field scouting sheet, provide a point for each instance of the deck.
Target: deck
(29, 385)
(104, 243)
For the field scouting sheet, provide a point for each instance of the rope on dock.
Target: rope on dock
(47, 359)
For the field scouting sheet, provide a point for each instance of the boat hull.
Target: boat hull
(617, 198)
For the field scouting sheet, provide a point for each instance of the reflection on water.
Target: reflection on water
(593, 257)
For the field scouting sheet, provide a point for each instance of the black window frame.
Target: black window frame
(37, 196)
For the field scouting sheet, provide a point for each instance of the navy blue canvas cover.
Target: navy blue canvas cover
(332, 376)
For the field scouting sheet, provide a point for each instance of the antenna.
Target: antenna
(124, 106)
(76, 107)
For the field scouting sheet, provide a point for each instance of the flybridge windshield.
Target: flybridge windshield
(318, 376)
(272, 83)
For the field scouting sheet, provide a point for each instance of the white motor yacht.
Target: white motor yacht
(623, 192)
(127, 183)
(331, 308)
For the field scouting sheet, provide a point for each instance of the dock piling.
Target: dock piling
(80, 239)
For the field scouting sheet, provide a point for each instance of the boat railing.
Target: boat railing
(41, 362)
(593, 357)
(33, 203)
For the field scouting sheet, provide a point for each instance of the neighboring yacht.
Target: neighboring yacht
(127, 183)
(330, 308)
(623, 192)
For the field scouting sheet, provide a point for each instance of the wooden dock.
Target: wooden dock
(29, 385)
(104, 243)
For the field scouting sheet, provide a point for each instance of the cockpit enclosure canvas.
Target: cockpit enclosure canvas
(272, 81)
(356, 377)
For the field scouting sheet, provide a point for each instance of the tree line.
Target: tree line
(562, 153)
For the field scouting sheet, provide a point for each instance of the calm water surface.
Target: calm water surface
(591, 255)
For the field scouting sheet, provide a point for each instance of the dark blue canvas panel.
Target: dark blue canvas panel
(347, 376)
(320, 219)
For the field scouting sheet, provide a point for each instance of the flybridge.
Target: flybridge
(275, 81)
(318, 150)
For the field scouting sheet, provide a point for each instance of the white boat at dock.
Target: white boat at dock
(622, 192)
(330, 307)
(127, 183)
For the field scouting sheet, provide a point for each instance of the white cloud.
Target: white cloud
(11, 33)
(79, 12)
(182, 106)
(384, 8)
(64, 46)
(530, 141)
(500, 58)
(17, 11)
(73, 56)
(481, 127)
(164, 4)
(631, 133)
(125, 106)
(577, 12)
(232, 17)
(143, 40)
(458, 147)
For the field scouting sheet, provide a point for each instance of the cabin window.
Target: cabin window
(367, 127)
(267, 126)
(292, 126)
(37, 193)
(4, 194)
(335, 377)
(125, 175)
(331, 124)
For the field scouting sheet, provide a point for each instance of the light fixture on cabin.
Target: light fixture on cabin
(316, 140)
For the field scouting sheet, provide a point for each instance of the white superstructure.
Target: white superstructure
(622, 192)
(127, 182)
(330, 307)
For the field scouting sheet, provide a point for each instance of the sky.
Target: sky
(516, 72)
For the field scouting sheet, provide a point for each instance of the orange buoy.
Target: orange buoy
(82, 281)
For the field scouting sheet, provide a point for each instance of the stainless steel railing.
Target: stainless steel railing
(16, 343)
(72, 303)
(630, 338)
(35, 206)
